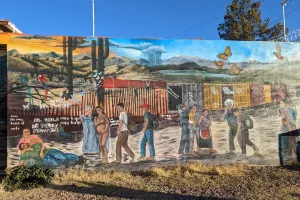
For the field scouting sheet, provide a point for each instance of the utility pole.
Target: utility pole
(283, 5)
(93, 4)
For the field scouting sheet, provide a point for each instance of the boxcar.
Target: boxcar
(164, 98)
(215, 95)
(134, 93)
(188, 94)
(279, 91)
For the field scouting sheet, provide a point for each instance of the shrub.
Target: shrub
(22, 177)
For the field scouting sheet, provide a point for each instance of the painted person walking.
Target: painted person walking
(205, 139)
(194, 117)
(244, 123)
(233, 126)
(185, 133)
(123, 134)
(148, 137)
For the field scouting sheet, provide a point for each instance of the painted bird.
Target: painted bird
(24, 80)
(43, 81)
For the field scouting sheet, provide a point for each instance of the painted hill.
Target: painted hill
(82, 56)
(51, 54)
(177, 60)
(121, 61)
(13, 52)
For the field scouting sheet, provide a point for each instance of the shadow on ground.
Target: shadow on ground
(121, 192)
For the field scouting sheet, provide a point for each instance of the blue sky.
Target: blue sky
(242, 51)
(130, 18)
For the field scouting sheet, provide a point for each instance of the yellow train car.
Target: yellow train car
(242, 95)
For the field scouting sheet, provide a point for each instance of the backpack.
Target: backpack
(131, 126)
(154, 120)
(248, 122)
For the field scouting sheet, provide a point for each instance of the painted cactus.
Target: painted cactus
(103, 53)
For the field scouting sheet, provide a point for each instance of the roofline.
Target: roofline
(10, 26)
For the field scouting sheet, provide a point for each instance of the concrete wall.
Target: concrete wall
(75, 63)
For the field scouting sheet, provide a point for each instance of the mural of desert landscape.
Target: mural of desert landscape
(53, 81)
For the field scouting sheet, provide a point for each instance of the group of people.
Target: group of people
(96, 131)
(239, 124)
(194, 125)
(198, 125)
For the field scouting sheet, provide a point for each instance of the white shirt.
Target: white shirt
(124, 118)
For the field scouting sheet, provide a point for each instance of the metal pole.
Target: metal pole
(284, 31)
(93, 3)
(284, 22)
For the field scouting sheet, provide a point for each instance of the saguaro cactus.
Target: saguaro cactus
(72, 45)
(94, 54)
(64, 57)
(103, 53)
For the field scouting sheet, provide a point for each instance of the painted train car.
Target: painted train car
(213, 96)
(164, 98)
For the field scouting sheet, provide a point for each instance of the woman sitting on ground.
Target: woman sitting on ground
(45, 156)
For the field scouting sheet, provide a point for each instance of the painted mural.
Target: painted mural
(99, 102)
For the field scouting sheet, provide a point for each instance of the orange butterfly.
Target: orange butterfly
(219, 64)
(226, 54)
(235, 69)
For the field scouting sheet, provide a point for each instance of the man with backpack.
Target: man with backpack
(148, 137)
(233, 126)
(186, 134)
(123, 134)
(244, 124)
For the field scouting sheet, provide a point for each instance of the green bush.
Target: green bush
(22, 177)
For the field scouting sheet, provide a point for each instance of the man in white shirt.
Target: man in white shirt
(123, 133)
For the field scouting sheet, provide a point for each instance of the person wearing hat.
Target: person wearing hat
(185, 132)
(148, 137)
(232, 123)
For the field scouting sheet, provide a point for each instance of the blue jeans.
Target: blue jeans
(148, 138)
(187, 137)
(195, 132)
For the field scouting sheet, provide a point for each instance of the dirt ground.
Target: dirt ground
(189, 181)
